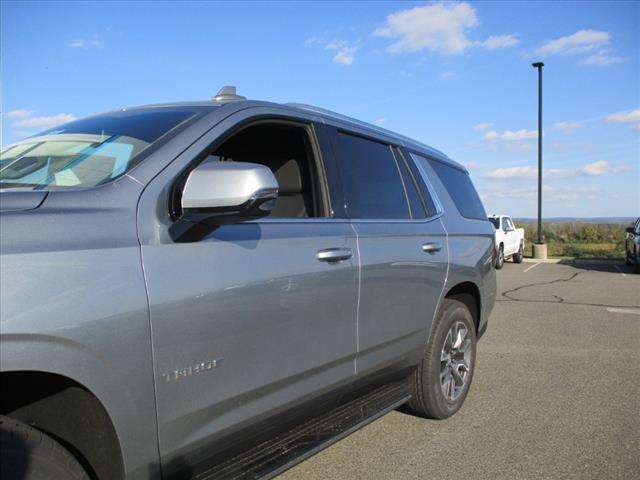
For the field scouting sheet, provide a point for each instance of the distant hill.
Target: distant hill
(601, 220)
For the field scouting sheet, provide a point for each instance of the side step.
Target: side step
(283, 452)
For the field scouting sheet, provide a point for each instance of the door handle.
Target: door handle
(334, 254)
(431, 247)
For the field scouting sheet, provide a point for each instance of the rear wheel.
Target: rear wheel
(29, 454)
(500, 260)
(441, 382)
(519, 255)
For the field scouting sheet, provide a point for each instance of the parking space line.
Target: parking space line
(532, 266)
(629, 311)
(617, 267)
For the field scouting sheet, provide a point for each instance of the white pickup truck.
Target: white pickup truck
(509, 239)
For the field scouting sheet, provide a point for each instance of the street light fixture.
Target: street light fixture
(538, 250)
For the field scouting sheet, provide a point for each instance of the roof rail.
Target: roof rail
(384, 131)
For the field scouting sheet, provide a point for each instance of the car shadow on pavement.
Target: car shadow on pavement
(608, 266)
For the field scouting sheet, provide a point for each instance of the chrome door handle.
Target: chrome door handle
(334, 254)
(431, 247)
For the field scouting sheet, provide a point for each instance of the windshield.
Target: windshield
(87, 152)
(495, 221)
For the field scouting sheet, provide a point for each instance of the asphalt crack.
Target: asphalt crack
(558, 300)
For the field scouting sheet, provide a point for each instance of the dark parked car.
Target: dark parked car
(221, 289)
(632, 246)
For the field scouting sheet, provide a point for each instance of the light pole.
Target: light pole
(539, 249)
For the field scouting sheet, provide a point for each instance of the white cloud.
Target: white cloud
(581, 41)
(602, 59)
(529, 172)
(94, 41)
(24, 119)
(549, 193)
(499, 41)
(480, 127)
(509, 136)
(438, 27)
(19, 113)
(345, 51)
(345, 56)
(632, 116)
(525, 172)
(568, 126)
(44, 122)
(447, 75)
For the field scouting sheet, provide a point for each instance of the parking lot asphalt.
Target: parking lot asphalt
(556, 392)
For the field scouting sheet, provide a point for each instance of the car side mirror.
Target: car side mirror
(630, 230)
(219, 193)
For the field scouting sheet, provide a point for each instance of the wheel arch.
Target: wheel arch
(69, 412)
(469, 294)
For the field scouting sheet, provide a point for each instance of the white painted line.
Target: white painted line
(529, 268)
(620, 270)
(630, 311)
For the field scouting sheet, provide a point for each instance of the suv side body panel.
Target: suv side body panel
(471, 247)
(74, 304)
(253, 298)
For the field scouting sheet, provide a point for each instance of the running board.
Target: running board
(283, 452)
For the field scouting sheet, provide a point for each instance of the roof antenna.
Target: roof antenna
(227, 94)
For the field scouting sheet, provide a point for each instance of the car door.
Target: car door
(507, 228)
(248, 321)
(403, 253)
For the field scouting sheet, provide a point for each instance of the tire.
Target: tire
(431, 396)
(519, 255)
(500, 261)
(636, 265)
(29, 454)
(627, 259)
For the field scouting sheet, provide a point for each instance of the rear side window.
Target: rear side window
(371, 180)
(461, 190)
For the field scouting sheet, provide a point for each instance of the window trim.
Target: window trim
(319, 179)
(428, 184)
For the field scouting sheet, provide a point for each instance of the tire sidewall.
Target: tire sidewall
(500, 260)
(455, 311)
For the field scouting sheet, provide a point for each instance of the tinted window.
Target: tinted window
(460, 188)
(495, 222)
(417, 209)
(370, 177)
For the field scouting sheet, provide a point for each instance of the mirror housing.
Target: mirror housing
(218, 193)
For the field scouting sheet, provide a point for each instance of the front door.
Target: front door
(253, 318)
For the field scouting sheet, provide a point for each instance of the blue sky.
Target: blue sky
(454, 75)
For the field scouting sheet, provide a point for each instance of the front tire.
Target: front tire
(519, 255)
(29, 454)
(441, 382)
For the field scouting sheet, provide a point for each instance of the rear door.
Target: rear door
(403, 252)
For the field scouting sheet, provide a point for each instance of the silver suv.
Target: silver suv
(221, 289)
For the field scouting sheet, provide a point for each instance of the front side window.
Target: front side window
(495, 222)
(87, 152)
(371, 180)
